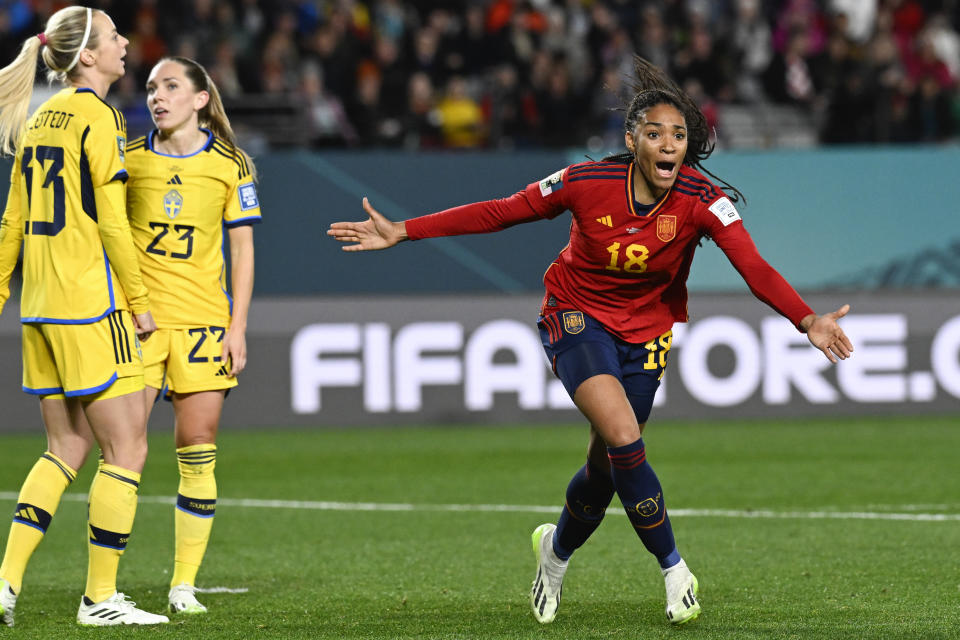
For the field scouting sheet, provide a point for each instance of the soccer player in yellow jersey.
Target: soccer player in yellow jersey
(83, 302)
(188, 182)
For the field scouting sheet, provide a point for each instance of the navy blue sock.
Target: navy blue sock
(642, 498)
(588, 494)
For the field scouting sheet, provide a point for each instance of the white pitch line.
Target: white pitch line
(320, 505)
(817, 515)
(914, 507)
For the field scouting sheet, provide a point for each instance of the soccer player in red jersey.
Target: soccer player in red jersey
(612, 296)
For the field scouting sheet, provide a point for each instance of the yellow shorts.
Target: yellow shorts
(186, 360)
(68, 360)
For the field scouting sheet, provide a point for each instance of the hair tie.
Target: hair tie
(83, 45)
(42, 37)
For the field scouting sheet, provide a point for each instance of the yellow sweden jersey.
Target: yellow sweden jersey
(178, 208)
(72, 144)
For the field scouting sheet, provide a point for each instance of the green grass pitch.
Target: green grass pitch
(789, 526)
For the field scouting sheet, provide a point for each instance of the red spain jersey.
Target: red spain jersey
(626, 264)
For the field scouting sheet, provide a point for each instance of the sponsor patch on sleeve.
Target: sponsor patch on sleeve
(551, 183)
(122, 147)
(725, 211)
(248, 197)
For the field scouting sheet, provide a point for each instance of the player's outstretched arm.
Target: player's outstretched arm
(376, 232)
(825, 334)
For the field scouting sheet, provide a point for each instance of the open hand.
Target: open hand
(374, 233)
(825, 334)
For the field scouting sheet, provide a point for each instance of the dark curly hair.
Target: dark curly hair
(652, 87)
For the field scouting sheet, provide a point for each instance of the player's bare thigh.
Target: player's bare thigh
(120, 427)
(197, 417)
(602, 400)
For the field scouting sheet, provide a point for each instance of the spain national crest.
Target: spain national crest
(172, 202)
(666, 228)
(573, 322)
(647, 507)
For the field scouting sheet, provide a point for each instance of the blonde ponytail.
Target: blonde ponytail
(16, 89)
(67, 33)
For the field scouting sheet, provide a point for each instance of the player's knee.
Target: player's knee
(72, 448)
(194, 428)
(621, 435)
(129, 453)
(196, 436)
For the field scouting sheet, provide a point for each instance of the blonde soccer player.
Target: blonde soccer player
(83, 302)
(188, 182)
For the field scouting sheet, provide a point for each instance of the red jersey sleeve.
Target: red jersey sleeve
(722, 223)
(539, 200)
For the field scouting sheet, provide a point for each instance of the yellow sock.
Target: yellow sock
(112, 507)
(96, 474)
(196, 504)
(38, 501)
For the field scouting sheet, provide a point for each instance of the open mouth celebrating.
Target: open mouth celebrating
(665, 169)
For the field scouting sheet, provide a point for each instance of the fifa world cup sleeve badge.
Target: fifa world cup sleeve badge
(551, 183)
(248, 197)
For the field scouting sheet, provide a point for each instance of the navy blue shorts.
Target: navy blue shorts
(579, 347)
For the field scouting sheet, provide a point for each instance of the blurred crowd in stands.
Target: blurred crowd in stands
(537, 73)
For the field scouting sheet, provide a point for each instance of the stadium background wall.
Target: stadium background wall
(426, 332)
(352, 360)
(825, 218)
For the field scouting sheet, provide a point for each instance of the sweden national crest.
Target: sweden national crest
(666, 228)
(573, 322)
(172, 203)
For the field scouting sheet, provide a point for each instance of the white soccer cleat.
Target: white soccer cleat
(682, 586)
(8, 602)
(183, 600)
(115, 610)
(547, 586)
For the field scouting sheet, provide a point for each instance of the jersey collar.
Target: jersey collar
(206, 146)
(642, 210)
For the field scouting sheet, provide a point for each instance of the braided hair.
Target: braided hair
(652, 87)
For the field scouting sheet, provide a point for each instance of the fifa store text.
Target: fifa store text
(719, 361)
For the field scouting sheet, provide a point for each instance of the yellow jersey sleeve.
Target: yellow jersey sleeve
(118, 243)
(11, 234)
